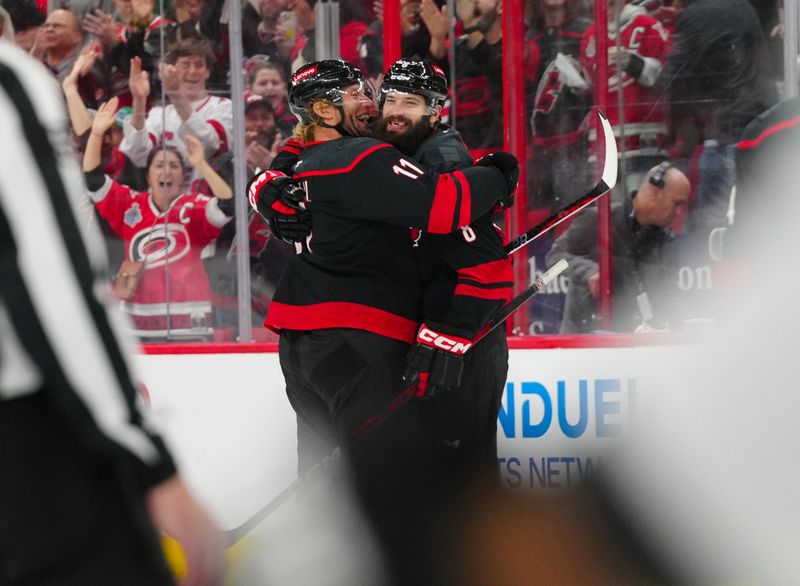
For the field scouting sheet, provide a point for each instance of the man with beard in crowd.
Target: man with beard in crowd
(466, 275)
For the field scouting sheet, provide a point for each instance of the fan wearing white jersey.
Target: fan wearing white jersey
(191, 111)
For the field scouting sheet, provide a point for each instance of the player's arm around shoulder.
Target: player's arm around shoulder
(394, 188)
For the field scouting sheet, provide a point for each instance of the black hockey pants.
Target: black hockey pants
(335, 380)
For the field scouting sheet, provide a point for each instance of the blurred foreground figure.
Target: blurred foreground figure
(711, 473)
(703, 489)
(84, 478)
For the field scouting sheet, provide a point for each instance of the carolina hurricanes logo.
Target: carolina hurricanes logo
(473, 96)
(438, 70)
(157, 244)
(549, 89)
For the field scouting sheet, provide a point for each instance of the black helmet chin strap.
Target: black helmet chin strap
(338, 127)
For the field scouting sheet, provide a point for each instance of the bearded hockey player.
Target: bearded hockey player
(466, 275)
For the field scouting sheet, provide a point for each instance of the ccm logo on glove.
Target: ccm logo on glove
(454, 345)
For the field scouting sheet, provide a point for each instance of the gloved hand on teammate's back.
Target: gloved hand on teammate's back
(507, 164)
(435, 362)
(279, 200)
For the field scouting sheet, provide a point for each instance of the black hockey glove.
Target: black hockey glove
(280, 201)
(507, 164)
(436, 362)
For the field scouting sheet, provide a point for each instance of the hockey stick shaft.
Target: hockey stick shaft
(236, 534)
(607, 181)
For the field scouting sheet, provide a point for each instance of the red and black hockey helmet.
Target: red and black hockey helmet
(323, 79)
(415, 77)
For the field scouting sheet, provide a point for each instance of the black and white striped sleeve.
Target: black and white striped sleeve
(58, 334)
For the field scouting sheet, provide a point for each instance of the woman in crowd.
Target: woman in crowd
(267, 78)
(162, 283)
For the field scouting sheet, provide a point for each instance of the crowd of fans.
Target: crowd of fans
(684, 79)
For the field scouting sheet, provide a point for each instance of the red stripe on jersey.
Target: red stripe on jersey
(497, 271)
(223, 140)
(495, 293)
(465, 210)
(779, 127)
(440, 220)
(201, 106)
(347, 169)
(293, 145)
(340, 314)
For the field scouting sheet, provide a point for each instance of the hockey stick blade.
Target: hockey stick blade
(607, 181)
(236, 534)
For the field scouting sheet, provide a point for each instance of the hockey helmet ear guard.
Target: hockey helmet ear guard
(322, 80)
(415, 77)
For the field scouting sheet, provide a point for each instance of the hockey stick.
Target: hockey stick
(236, 534)
(607, 181)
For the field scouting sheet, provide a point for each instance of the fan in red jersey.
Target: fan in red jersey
(164, 231)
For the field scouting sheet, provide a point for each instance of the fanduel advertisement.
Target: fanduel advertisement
(564, 408)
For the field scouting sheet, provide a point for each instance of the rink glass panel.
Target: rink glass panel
(558, 153)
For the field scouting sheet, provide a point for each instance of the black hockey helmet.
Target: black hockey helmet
(322, 79)
(415, 77)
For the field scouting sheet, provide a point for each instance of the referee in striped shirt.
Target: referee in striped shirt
(83, 479)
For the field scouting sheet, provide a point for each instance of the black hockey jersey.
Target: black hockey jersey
(360, 272)
(466, 275)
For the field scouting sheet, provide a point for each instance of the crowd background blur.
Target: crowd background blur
(678, 79)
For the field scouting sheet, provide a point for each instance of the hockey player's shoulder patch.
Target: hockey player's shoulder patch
(444, 151)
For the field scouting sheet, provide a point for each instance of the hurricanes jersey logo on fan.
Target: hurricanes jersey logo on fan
(157, 244)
